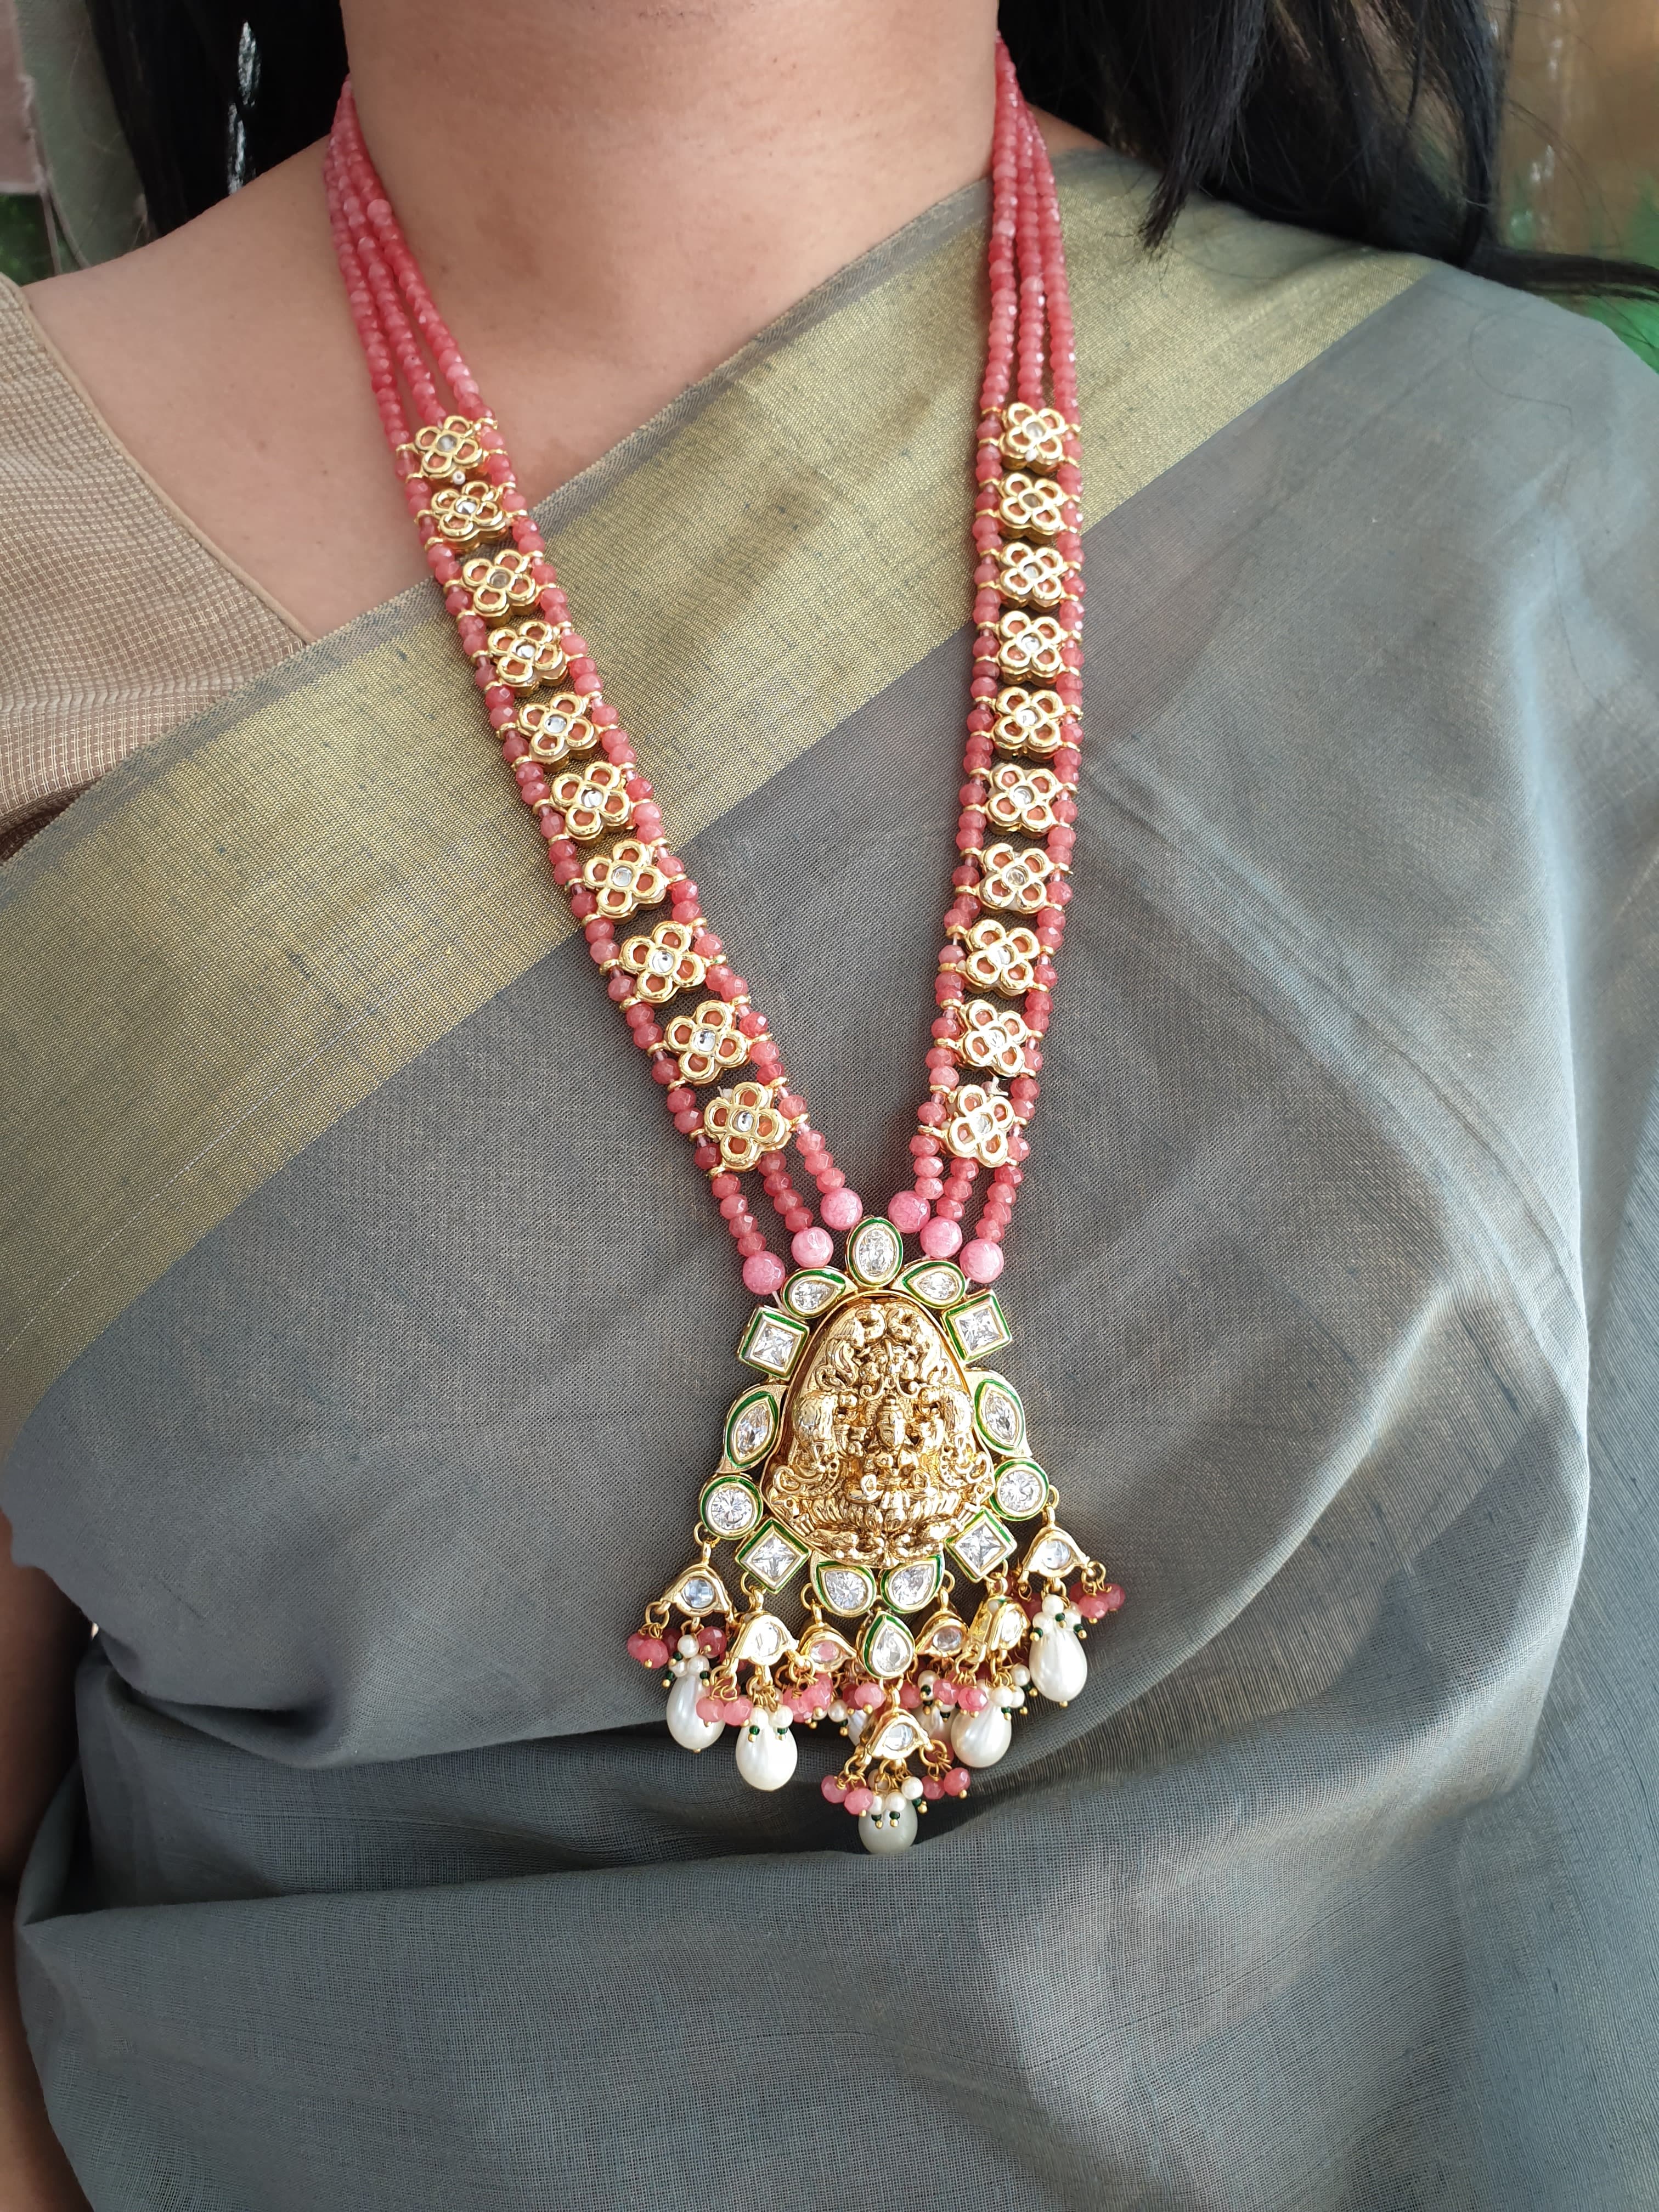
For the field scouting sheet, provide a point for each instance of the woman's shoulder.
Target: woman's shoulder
(118, 618)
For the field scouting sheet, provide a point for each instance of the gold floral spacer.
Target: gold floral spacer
(450, 450)
(1023, 797)
(708, 1043)
(1029, 721)
(502, 583)
(1032, 575)
(625, 879)
(593, 799)
(745, 1125)
(465, 513)
(994, 1038)
(664, 962)
(998, 958)
(527, 654)
(1031, 504)
(984, 1125)
(1035, 437)
(1015, 881)
(556, 727)
(1030, 645)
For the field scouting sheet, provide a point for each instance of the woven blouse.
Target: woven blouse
(121, 619)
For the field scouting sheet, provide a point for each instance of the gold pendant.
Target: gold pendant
(871, 1479)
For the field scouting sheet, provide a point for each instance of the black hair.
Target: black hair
(1377, 121)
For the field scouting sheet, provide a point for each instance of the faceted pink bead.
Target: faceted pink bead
(710, 1709)
(956, 1781)
(834, 1790)
(867, 1694)
(812, 1247)
(907, 1212)
(763, 1271)
(859, 1800)
(940, 1238)
(981, 1261)
(841, 1208)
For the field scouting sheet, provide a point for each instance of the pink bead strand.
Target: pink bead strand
(1028, 237)
(395, 316)
(378, 213)
(533, 786)
(394, 322)
(1005, 193)
(382, 377)
(1062, 333)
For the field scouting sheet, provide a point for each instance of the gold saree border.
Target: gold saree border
(229, 943)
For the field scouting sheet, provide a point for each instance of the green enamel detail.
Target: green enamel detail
(772, 1556)
(843, 1590)
(886, 1647)
(1022, 1489)
(978, 1327)
(983, 1546)
(773, 1341)
(998, 1416)
(723, 1504)
(751, 1427)
(810, 1291)
(936, 1283)
(875, 1251)
(907, 1588)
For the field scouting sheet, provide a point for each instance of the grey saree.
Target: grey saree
(365, 1336)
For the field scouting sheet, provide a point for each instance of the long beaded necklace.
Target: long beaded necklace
(876, 1467)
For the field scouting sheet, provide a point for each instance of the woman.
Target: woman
(365, 1344)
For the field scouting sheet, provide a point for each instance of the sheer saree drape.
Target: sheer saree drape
(366, 1341)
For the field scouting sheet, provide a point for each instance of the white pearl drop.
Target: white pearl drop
(766, 1749)
(884, 1831)
(979, 1739)
(1059, 1667)
(685, 1724)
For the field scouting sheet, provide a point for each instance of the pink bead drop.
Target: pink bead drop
(763, 1271)
(907, 1212)
(940, 1238)
(981, 1261)
(812, 1247)
(841, 1208)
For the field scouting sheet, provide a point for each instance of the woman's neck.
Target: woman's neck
(608, 199)
(641, 185)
